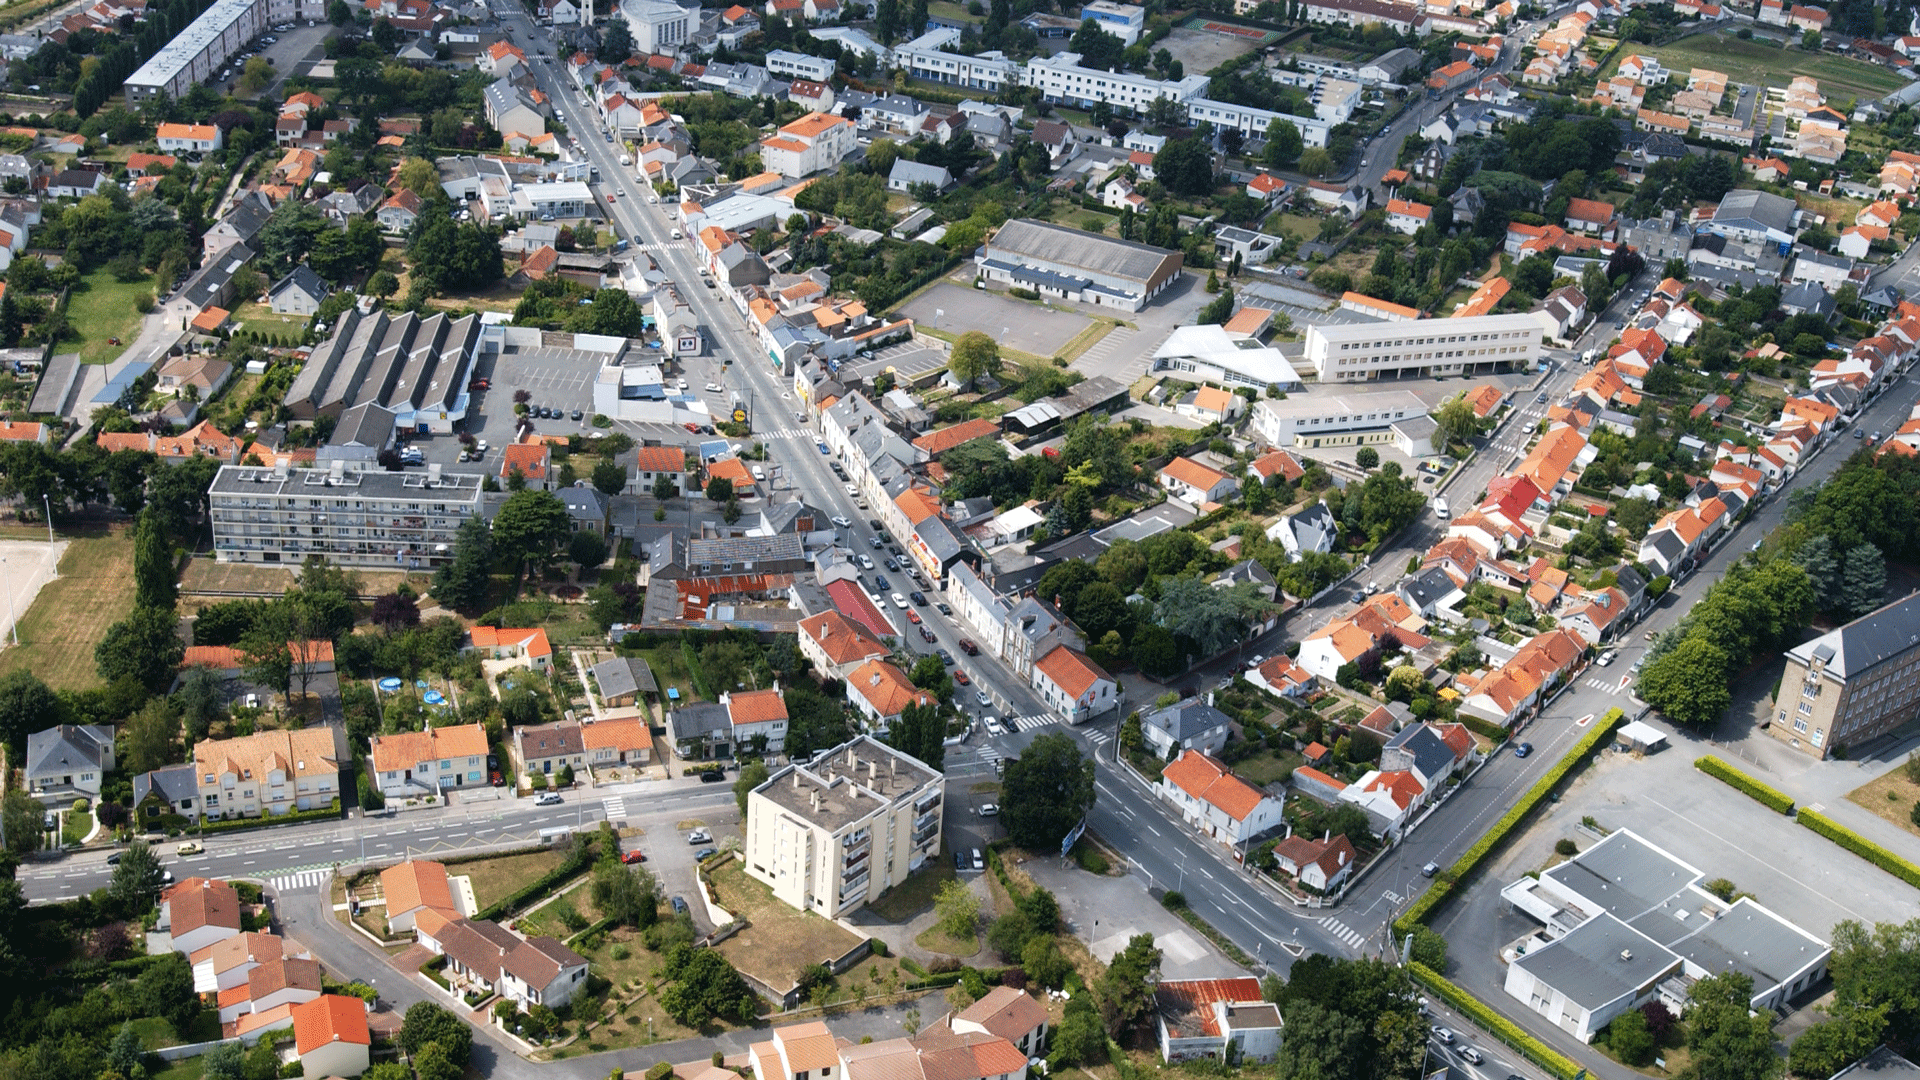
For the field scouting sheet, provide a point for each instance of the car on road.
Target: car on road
(713, 776)
(874, 541)
(960, 676)
(985, 699)
(875, 524)
(852, 490)
(1522, 749)
(704, 854)
(1606, 658)
(1858, 434)
(679, 906)
(843, 522)
(1443, 1034)
(551, 798)
(715, 388)
(823, 448)
(1358, 597)
(1430, 869)
(633, 856)
(1541, 398)
(913, 617)
(945, 608)
(899, 601)
(926, 635)
(191, 847)
(698, 837)
(979, 860)
(995, 728)
(966, 644)
(893, 564)
(114, 859)
(918, 597)
(880, 582)
(945, 656)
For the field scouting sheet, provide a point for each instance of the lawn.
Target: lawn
(104, 309)
(72, 613)
(914, 895)
(548, 921)
(934, 939)
(1891, 797)
(260, 318)
(669, 669)
(1760, 64)
(494, 879)
(192, 1068)
(780, 941)
(1269, 767)
(75, 825)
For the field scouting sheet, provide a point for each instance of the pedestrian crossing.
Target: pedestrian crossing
(616, 807)
(672, 245)
(1100, 738)
(1343, 932)
(1036, 720)
(787, 433)
(1610, 686)
(301, 878)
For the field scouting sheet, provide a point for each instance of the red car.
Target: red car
(633, 857)
(913, 617)
(477, 384)
(692, 428)
(960, 677)
(967, 646)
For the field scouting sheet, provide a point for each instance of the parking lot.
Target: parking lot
(1027, 327)
(1786, 867)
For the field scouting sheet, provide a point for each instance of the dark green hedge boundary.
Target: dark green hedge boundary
(1861, 846)
(1502, 1028)
(291, 817)
(1444, 882)
(576, 863)
(1773, 800)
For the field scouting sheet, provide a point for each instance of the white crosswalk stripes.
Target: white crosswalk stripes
(1343, 931)
(1100, 738)
(616, 807)
(1607, 686)
(1034, 721)
(301, 879)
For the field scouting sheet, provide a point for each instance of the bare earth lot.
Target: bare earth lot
(1013, 323)
(1200, 51)
(780, 941)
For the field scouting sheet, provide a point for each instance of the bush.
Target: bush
(1861, 846)
(1565, 848)
(620, 952)
(660, 1071)
(1443, 884)
(1173, 901)
(1505, 1030)
(1773, 800)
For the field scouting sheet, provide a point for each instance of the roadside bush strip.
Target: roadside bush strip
(291, 817)
(1234, 952)
(1861, 846)
(1498, 1026)
(1773, 800)
(1443, 884)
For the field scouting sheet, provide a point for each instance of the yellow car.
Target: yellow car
(191, 847)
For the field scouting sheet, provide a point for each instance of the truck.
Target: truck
(1440, 506)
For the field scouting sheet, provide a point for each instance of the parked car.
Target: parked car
(989, 809)
(551, 798)
(880, 582)
(1522, 749)
(679, 906)
(945, 656)
(926, 635)
(946, 609)
(994, 727)
(960, 861)
(918, 598)
(704, 854)
(960, 676)
(698, 837)
(633, 856)
(842, 522)
(979, 860)
(713, 776)
(966, 644)
(114, 859)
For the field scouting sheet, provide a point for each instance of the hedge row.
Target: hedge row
(1746, 785)
(1496, 732)
(1502, 1028)
(576, 863)
(331, 813)
(1861, 846)
(1443, 885)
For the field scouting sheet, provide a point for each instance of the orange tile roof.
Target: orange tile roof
(1406, 208)
(415, 884)
(1550, 459)
(840, 638)
(212, 319)
(1364, 300)
(1213, 783)
(530, 458)
(330, 1018)
(812, 125)
(21, 431)
(1248, 320)
(1071, 670)
(917, 504)
(756, 707)
(404, 750)
(1401, 787)
(660, 459)
(1280, 462)
(730, 469)
(1483, 298)
(808, 1046)
(1193, 474)
(886, 688)
(198, 902)
(187, 131)
(1484, 398)
(541, 263)
(626, 733)
(944, 439)
(1212, 399)
(1589, 210)
(249, 947)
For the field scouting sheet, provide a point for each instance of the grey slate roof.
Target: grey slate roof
(68, 748)
(1865, 641)
(745, 549)
(364, 425)
(305, 280)
(584, 503)
(624, 675)
(1188, 719)
(1425, 589)
(1046, 242)
(1601, 961)
(912, 172)
(943, 539)
(1747, 208)
(248, 215)
(700, 719)
(1429, 753)
(175, 783)
(1314, 527)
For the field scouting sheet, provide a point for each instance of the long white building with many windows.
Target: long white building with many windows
(1360, 352)
(922, 58)
(196, 53)
(1061, 79)
(273, 514)
(1254, 122)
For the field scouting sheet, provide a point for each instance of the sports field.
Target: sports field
(1759, 64)
(71, 614)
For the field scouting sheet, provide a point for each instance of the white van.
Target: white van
(1440, 506)
(760, 474)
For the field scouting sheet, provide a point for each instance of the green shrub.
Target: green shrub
(1173, 901)
(620, 952)
(1503, 1029)
(660, 1071)
(1861, 846)
(1746, 785)
(1565, 848)
(1443, 884)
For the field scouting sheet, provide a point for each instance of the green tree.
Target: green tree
(1366, 457)
(1044, 963)
(26, 706)
(435, 1062)
(224, 1062)
(426, 1022)
(974, 355)
(530, 526)
(752, 775)
(1046, 791)
(1283, 143)
(1316, 162)
(921, 730)
(21, 813)
(957, 910)
(462, 582)
(165, 989)
(1212, 619)
(1630, 1039)
(153, 577)
(135, 884)
(610, 478)
(1727, 1040)
(704, 987)
(719, 489)
(1081, 1040)
(1217, 311)
(1879, 966)
(627, 894)
(586, 549)
(144, 645)
(1833, 1044)
(1185, 167)
(1863, 581)
(147, 737)
(1124, 992)
(127, 1050)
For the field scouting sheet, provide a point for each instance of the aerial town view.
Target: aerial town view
(959, 540)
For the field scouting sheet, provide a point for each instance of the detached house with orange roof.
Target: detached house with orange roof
(881, 692)
(1555, 461)
(1344, 641)
(199, 912)
(815, 142)
(529, 646)
(757, 714)
(1202, 1018)
(189, 138)
(1073, 685)
(1191, 482)
(225, 964)
(836, 645)
(415, 886)
(416, 763)
(1217, 803)
(533, 461)
(331, 1037)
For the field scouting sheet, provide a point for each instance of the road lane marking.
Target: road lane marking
(1150, 828)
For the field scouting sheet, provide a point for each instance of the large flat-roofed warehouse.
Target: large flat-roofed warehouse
(416, 367)
(1475, 344)
(1074, 264)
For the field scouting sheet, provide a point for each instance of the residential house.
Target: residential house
(611, 741)
(1190, 724)
(331, 1037)
(549, 750)
(1191, 482)
(1322, 865)
(421, 763)
(267, 773)
(1217, 803)
(415, 886)
(1073, 685)
(757, 715)
(527, 646)
(881, 692)
(198, 912)
(1223, 1019)
(67, 762)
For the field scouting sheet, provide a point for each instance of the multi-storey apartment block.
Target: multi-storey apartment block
(268, 773)
(276, 514)
(1851, 684)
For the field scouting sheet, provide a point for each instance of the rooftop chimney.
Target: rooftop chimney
(816, 799)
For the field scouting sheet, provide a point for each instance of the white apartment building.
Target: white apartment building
(1124, 21)
(1254, 122)
(922, 58)
(659, 26)
(272, 514)
(830, 835)
(793, 65)
(810, 144)
(197, 53)
(1061, 79)
(1285, 423)
(1361, 352)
